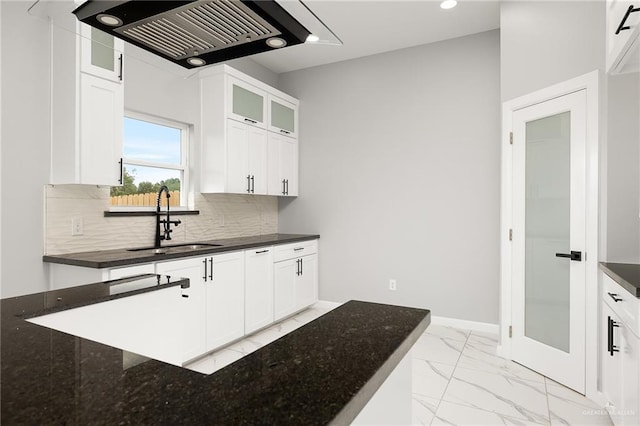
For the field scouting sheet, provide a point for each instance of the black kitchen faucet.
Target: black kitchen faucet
(166, 234)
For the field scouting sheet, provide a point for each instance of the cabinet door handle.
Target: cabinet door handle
(284, 131)
(615, 297)
(284, 187)
(121, 178)
(249, 183)
(211, 268)
(121, 65)
(297, 266)
(622, 27)
(205, 270)
(253, 184)
(287, 187)
(610, 346)
(262, 251)
(574, 255)
(248, 120)
(301, 270)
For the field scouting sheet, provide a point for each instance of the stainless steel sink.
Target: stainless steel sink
(175, 248)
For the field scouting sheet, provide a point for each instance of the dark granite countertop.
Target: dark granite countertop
(321, 373)
(124, 257)
(625, 274)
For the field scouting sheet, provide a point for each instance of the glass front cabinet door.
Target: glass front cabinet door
(102, 54)
(247, 103)
(283, 117)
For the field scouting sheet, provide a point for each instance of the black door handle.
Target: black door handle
(249, 183)
(615, 297)
(574, 255)
(611, 347)
(623, 27)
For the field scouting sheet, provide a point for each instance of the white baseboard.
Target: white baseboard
(325, 304)
(483, 327)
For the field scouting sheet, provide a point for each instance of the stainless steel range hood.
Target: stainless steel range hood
(196, 33)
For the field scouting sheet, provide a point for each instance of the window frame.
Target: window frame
(185, 138)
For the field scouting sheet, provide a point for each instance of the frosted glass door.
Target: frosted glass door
(548, 240)
(102, 54)
(547, 230)
(282, 117)
(246, 103)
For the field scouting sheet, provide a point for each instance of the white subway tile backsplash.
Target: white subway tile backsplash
(221, 216)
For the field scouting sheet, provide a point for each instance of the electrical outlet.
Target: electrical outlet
(77, 226)
(392, 285)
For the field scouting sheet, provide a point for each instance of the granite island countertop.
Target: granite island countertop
(321, 373)
(625, 274)
(126, 257)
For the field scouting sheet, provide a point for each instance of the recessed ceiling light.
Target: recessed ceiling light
(448, 4)
(112, 21)
(312, 38)
(276, 42)
(197, 62)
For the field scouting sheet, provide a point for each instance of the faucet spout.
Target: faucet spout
(166, 232)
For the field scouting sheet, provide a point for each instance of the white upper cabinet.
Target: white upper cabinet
(246, 159)
(283, 116)
(101, 54)
(239, 115)
(246, 103)
(283, 165)
(623, 31)
(87, 108)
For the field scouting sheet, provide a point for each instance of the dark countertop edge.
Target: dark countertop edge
(607, 269)
(351, 410)
(65, 260)
(123, 213)
(100, 299)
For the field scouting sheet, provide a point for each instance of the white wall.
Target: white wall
(399, 174)
(25, 147)
(623, 169)
(546, 42)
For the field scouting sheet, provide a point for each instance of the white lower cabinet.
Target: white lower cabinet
(295, 278)
(230, 294)
(192, 308)
(225, 300)
(620, 356)
(258, 285)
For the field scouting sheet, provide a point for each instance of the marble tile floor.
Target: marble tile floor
(457, 379)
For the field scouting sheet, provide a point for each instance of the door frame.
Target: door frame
(591, 82)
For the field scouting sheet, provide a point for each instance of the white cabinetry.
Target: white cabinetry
(283, 165)
(258, 285)
(246, 159)
(87, 105)
(620, 353)
(246, 103)
(225, 300)
(192, 309)
(623, 36)
(283, 116)
(238, 112)
(295, 277)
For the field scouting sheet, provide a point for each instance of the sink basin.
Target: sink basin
(175, 248)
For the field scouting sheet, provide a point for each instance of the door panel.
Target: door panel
(548, 225)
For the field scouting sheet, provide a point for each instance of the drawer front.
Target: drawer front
(623, 303)
(293, 250)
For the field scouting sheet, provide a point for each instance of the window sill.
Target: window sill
(122, 213)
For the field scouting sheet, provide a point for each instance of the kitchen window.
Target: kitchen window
(154, 154)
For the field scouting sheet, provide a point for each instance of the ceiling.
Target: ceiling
(369, 27)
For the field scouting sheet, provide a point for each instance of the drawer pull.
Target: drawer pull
(615, 297)
(611, 348)
(248, 120)
(262, 251)
(298, 248)
(622, 27)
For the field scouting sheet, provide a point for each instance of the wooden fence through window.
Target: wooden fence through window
(146, 200)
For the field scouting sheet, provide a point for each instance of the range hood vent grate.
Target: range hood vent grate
(211, 30)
